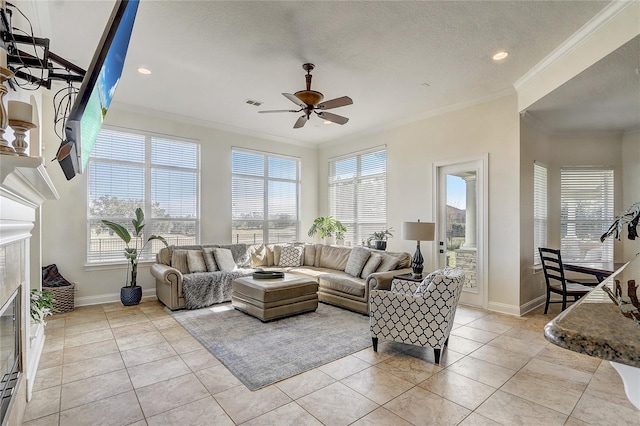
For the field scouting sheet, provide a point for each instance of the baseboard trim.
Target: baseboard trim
(109, 298)
(503, 308)
(532, 304)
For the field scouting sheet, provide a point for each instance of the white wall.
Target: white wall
(534, 146)
(491, 127)
(65, 221)
(630, 186)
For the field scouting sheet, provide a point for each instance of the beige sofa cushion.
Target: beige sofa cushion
(389, 263)
(195, 261)
(209, 259)
(309, 254)
(357, 259)
(372, 265)
(334, 257)
(164, 256)
(179, 261)
(343, 284)
(224, 259)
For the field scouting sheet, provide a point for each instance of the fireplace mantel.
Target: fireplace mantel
(24, 186)
(25, 179)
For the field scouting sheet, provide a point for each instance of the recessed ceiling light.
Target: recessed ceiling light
(500, 55)
(327, 122)
(144, 71)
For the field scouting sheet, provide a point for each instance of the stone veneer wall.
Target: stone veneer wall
(467, 259)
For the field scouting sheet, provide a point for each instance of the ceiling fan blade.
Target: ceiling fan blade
(334, 118)
(295, 100)
(301, 122)
(335, 103)
(279, 110)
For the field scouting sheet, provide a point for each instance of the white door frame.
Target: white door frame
(480, 164)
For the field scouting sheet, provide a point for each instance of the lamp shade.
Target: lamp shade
(418, 231)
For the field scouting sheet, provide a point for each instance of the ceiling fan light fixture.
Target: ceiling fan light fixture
(327, 122)
(310, 97)
(500, 55)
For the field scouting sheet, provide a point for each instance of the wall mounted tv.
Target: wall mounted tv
(95, 94)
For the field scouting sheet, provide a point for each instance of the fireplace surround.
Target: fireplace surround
(24, 186)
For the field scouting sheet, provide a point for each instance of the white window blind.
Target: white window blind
(586, 212)
(129, 170)
(265, 192)
(539, 210)
(358, 193)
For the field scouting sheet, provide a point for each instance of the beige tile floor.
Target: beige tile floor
(116, 365)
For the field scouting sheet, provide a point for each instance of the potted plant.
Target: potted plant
(41, 305)
(131, 294)
(328, 228)
(379, 238)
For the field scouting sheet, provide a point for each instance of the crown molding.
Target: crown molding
(208, 124)
(578, 38)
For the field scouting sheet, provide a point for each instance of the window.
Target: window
(358, 193)
(128, 170)
(264, 197)
(539, 210)
(586, 213)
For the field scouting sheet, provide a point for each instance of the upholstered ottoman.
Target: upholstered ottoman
(274, 298)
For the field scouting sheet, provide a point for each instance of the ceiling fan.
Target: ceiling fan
(310, 101)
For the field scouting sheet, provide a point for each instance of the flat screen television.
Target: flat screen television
(97, 89)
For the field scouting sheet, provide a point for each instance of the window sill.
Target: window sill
(104, 266)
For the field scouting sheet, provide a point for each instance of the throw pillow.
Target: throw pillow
(291, 256)
(259, 256)
(372, 264)
(209, 259)
(426, 286)
(357, 259)
(224, 259)
(195, 261)
(179, 261)
(389, 263)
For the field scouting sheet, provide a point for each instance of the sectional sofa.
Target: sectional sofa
(200, 275)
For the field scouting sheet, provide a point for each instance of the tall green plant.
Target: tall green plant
(132, 253)
(327, 226)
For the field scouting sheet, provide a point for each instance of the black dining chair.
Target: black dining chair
(557, 282)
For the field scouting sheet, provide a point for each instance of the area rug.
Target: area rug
(260, 354)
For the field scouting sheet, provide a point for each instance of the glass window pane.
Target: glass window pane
(174, 193)
(247, 163)
(174, 153)
(283, 168)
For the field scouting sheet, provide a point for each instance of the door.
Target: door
(461, 227)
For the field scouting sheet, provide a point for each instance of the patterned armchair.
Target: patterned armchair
(419, 314)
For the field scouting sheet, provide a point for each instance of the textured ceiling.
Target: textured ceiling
(207, 57)
(604, 97)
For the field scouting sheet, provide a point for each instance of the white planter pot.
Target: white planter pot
(329, 240)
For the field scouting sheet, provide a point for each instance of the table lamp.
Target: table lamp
(418, 231)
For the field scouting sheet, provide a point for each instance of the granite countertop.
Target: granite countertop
(595, 325)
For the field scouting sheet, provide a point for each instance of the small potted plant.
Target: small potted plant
(131, 294)
(328, 228)
(41, 305)
(379, 238)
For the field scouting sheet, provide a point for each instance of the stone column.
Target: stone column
(470, 216)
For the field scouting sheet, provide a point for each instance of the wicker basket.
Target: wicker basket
(63, 297)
